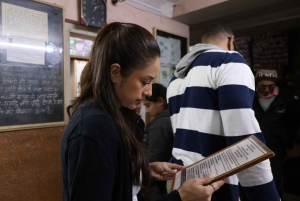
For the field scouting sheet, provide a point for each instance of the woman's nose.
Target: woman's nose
(148, 91)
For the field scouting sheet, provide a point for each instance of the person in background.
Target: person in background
(210, 100)
(278, 115)
(100, 156)
(159, 135)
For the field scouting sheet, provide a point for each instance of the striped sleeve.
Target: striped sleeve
(235, 86)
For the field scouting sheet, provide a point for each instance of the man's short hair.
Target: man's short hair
(216, 31)
(158, 90)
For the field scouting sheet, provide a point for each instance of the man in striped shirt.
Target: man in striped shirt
(210, 101)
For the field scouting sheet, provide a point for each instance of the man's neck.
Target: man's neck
(222, 44)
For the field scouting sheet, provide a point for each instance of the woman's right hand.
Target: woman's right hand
(198, 189)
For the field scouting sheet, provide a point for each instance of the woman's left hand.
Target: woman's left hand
(163, 170)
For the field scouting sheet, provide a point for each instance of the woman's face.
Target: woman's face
(132, 90)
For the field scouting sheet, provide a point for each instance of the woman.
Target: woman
(101, 158)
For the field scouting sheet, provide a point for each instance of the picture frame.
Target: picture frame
(32, 61)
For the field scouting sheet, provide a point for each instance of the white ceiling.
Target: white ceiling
(246, 17)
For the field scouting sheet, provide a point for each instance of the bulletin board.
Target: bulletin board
(172, 48)
(31, 65)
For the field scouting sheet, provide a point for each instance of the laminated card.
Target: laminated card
(226, 162)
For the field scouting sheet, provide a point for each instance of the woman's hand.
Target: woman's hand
(163, 170)
(198, 189)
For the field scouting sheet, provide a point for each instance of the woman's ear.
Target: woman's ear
(115, 72)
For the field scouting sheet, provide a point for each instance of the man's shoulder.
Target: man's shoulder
(216, 58)
(223, 54)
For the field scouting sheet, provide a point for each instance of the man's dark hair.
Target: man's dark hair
(217, 31)
(158, 90)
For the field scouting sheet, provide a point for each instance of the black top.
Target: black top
(95, 161)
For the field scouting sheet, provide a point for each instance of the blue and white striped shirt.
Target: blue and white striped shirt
(210, 109)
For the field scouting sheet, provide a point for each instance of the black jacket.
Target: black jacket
(95, 160)
(280, 122)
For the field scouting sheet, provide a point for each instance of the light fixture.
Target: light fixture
(159, 7)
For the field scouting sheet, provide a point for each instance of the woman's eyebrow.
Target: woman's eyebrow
(150, 77)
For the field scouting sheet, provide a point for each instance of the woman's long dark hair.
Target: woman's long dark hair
(132, 47)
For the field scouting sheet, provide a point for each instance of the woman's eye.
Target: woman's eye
(148, 82)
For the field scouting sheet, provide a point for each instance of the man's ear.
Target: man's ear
(115, 72)
(230, 43)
